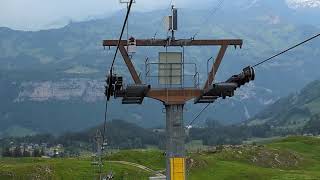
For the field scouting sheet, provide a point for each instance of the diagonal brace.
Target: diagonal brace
(129, 64)
(215, 66)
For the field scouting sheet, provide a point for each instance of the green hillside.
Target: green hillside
(62, 169)
(289, 158)
(294, 112)
(119, 133)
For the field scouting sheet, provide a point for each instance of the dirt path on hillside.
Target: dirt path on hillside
(156, 173)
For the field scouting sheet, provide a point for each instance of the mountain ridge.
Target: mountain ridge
(270, 5)
(33, 62)
(293, 112)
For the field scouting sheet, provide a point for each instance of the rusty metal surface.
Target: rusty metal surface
(215, 66)
(182, 42)
(129, 64)
(227, 88)
(174, 96)
(134, 94)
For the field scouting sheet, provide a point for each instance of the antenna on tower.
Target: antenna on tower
(171, 22)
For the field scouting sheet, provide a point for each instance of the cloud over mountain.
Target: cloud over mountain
(303, 3)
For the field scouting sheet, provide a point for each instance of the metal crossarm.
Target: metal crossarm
(180, 42)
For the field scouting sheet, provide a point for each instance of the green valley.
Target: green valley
(286, 158)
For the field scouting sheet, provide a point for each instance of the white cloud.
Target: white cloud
(33, 14)
(39, 14)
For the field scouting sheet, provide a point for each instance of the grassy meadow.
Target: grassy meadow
(286, 158)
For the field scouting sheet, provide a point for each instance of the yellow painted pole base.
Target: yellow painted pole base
(177, 168)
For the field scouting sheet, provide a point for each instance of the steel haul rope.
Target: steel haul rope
(122, 31)
(258, 64)
(293, 47)
(190, 124)
(113, 61)
(212, 13)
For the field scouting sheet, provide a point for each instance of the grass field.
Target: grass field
(31, 168)
(289, 158)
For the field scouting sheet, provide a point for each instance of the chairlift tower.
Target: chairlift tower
(172, 90)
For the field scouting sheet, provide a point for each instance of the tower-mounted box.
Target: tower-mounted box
(171, 22)
(174, 19)
(168, 23)
(170, 68)
(132, 44)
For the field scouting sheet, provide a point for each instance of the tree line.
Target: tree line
(123, 135)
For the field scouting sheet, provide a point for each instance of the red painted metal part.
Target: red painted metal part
(183, 42)
(178, 95)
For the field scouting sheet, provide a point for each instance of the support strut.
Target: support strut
(175, 151)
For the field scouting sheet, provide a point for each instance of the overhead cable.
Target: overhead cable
(120, 38)
(113, 61)
(213, 11)
(282, 52)
(199, 114)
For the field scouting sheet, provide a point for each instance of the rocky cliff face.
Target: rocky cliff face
(58, 73)
(85, 89)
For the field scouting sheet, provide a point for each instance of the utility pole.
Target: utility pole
(97, 158)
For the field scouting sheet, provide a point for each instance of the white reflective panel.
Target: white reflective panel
(131, 49)
(168, 23)
(170, 68)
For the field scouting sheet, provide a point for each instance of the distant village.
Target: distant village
(33, 150)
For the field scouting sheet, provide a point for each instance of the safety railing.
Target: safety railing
(171, 75)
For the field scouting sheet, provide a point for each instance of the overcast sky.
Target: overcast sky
(42, 14)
